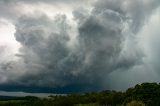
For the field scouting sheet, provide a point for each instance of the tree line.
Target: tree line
(145, 94)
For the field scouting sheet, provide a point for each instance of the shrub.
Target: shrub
(136, 103)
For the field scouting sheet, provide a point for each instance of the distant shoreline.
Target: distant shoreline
(23, 94)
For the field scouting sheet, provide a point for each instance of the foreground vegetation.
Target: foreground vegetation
(146, 94)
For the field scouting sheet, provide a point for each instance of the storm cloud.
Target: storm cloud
(100, 47)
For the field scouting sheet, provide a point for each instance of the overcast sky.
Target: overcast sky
(64, 46)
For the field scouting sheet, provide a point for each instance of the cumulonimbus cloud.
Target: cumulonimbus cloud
(104, 42)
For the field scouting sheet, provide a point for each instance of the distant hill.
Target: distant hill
(7, 97)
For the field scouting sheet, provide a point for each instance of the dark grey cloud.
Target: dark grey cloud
(50, 62)
(136, 11)
(45, 1)
(105, 45)
(8, 9)
(14, 9)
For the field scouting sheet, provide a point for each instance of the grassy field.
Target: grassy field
(7, 102)
(24, 103)
(91, 104)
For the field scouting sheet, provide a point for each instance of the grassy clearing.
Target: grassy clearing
(91, 104)
(12, 102)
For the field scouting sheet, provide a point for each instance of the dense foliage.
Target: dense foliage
(146, 94)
